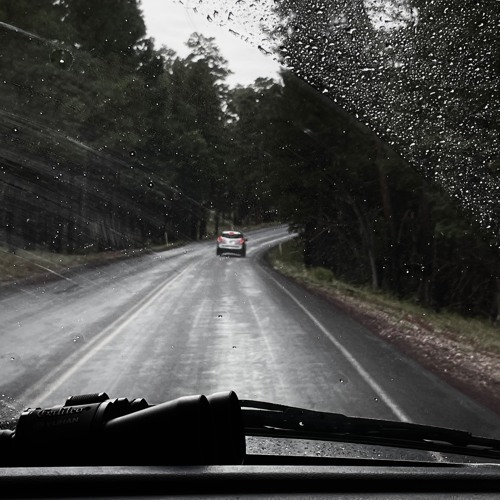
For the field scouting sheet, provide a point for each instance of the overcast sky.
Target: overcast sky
(171, 23)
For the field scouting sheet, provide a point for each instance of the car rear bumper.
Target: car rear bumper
(230, 248)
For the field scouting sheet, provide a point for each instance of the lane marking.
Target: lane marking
(350, 358)
(46, 386)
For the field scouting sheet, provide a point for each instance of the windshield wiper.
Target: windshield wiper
(278, 421)
(96, 430)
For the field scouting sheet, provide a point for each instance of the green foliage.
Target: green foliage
(109, 30)
(109, 142)
(321, 274)
(251, 163)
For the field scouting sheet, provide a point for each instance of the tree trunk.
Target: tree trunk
(367, 237)
(497, 291)
(395, 281)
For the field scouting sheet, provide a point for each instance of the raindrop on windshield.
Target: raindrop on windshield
(62, 58)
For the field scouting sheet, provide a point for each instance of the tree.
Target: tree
(110, 30)
(198, 99)
(252, 114)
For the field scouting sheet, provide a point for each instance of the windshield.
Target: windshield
(355, 144)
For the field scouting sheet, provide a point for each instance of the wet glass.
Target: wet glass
(368, 161)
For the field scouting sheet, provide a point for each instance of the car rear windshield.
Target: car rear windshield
(232, 235)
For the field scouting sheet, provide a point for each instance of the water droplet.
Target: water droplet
(219, 315)
(62, 58)
(301, 424)
(375, 399)
(132, 153)
(341, 381)
(234, 347)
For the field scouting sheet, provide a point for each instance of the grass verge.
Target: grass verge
(24, 264)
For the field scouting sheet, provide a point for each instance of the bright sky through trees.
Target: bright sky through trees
(170, 23)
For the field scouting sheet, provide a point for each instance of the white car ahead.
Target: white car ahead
(232, 242)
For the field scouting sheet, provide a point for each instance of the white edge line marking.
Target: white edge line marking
(364, 374)
(97, 343)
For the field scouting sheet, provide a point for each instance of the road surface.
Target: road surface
(185, 321)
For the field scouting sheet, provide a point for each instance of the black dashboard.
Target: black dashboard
(250, 481)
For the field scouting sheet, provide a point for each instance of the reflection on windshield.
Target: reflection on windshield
(114, 147)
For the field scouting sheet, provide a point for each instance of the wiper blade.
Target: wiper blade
(95, 429)
(279, 421)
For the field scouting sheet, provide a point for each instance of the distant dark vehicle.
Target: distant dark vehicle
(232, 242)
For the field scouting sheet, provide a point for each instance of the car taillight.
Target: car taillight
(219, 239)
(242, 240)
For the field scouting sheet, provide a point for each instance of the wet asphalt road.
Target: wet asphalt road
(187, 322)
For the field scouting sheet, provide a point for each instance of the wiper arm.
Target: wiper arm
(273, 420)
(96, 430)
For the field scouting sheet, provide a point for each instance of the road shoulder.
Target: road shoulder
(474, 372)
